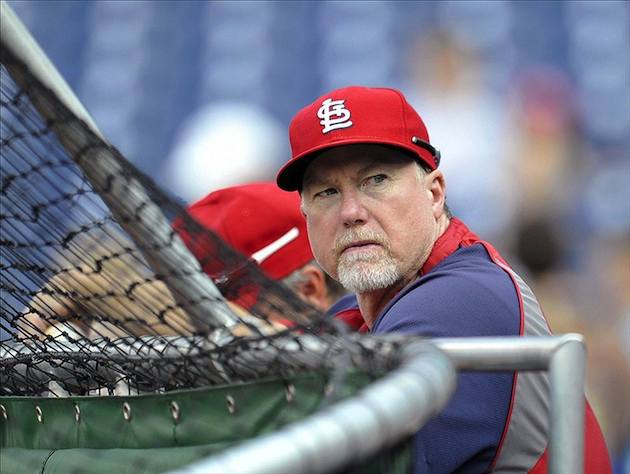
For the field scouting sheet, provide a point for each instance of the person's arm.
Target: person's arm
(115, 301)
(50, 312)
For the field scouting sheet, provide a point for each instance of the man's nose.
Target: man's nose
(353, 212)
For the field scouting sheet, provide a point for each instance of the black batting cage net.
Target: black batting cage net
(133, 339)
(83, 308)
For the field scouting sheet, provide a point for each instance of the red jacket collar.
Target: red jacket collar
(456, 235)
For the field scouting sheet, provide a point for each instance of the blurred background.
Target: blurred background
(529, 103)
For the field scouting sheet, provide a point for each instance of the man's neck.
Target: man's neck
(373, 302)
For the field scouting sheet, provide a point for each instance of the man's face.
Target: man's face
(371, 215)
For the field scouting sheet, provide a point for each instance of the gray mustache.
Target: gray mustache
(350, 238)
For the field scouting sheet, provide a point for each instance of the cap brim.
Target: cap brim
(291, 174)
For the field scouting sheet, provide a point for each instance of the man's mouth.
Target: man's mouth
(360, 246)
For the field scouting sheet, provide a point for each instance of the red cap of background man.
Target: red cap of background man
(260, 221)
(354, 115)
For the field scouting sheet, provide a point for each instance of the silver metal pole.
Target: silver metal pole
(567, 374)
(500, 353)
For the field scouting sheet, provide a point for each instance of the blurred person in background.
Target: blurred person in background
(469, 121)
(547, 151)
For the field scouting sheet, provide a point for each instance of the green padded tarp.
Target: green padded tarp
(151, 439)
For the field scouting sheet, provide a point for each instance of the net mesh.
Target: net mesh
(96, 293)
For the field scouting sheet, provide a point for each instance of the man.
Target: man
(266, 224)
(374, 201)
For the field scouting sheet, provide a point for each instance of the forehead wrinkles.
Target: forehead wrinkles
(327, 167)
(330, 169)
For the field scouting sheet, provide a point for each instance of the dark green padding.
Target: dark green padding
(152, 441)
(141, 461)
(106, 461)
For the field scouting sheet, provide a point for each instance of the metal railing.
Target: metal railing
(564, 357)
(330, 439)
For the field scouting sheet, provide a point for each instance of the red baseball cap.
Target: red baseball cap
(260, 221)
(354, 115)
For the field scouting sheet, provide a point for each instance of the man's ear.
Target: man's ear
(313, 288)
(436, 186)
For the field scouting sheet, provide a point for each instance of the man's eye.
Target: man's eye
(377, 179)
(326, 192)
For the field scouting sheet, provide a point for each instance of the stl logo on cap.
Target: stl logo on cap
(334, 115)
